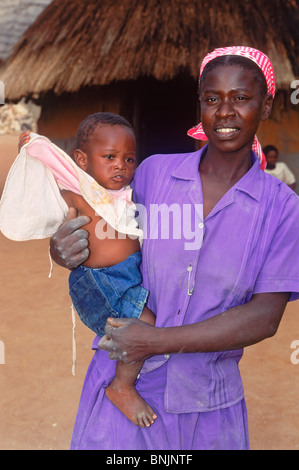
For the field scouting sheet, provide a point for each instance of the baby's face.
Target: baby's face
(111, 157)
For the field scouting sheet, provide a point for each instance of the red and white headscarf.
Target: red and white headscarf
(266, 67)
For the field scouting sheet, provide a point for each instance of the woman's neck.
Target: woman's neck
(229, 166)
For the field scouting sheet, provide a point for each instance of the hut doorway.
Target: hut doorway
(162, 113)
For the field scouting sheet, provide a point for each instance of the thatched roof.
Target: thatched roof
(75, 43)
(15, 18)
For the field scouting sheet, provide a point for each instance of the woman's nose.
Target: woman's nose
(225, 110)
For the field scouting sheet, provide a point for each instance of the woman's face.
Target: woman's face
(232, 106)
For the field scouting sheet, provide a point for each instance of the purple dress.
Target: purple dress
(195, 268)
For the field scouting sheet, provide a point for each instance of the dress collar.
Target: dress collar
(250, 183)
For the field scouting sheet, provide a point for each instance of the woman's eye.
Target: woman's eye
(211, 100)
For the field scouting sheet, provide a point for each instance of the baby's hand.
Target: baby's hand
(23, 139)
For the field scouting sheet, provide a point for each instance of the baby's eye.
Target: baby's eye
(130, 160)
(109, 156)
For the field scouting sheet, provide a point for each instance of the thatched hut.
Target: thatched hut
(141, 58)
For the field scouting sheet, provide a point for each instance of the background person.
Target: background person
(278, 169)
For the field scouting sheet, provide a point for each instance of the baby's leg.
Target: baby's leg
(122, 393)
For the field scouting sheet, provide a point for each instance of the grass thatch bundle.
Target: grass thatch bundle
(76, 43)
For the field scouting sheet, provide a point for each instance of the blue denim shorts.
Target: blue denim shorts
(108, 292)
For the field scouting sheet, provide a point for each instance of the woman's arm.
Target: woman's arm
(131, 340)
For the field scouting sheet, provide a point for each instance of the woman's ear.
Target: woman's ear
(267, 107)
(80, 158)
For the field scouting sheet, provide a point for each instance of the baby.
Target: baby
(108, 284)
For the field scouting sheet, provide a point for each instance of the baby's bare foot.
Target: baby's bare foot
(131, 404)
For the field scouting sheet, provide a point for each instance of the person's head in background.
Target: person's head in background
(271, 154)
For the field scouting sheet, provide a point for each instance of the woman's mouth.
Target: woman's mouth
(227, 131)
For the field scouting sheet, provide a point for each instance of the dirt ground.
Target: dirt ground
(39, 395)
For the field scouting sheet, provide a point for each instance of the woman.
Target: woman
(215, 288)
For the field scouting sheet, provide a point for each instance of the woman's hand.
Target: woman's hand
(128, 339)
(69, 245)
(131, 340)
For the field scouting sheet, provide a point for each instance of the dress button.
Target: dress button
(166, 356)
(201, 225)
